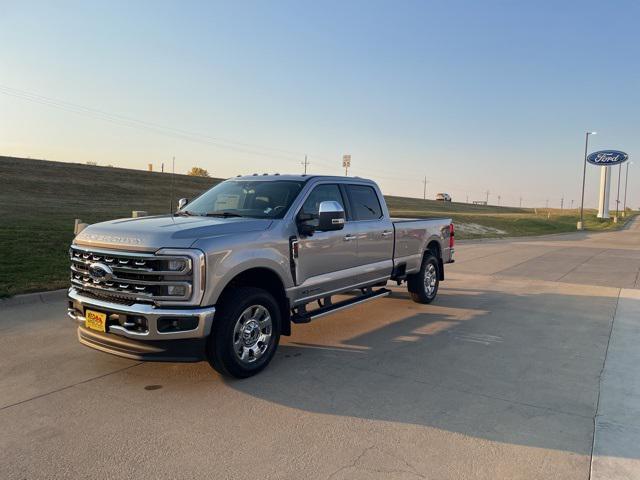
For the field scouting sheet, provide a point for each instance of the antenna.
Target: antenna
(305, 163)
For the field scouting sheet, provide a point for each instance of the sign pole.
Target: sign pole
(605, 189)
(346, 163)
(618, 195)
(626, 181)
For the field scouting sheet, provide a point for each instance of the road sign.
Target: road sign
(607, 158)
(346, 161)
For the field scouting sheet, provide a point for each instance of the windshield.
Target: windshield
(240, 198)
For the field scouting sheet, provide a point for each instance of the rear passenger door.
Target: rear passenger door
(374, 231)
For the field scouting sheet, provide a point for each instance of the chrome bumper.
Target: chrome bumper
(78, 303)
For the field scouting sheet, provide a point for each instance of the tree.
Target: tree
(198, 172)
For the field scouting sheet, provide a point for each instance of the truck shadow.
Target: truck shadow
(515, 368)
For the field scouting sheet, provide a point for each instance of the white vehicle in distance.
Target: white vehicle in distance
(443, 197)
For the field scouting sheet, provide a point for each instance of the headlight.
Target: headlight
(177, 265)
(183, 277)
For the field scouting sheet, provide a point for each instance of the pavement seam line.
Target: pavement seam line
(69, 386)
(523, 262)
(581, 264)
(469, 392)
(484, 256)
(604, 362)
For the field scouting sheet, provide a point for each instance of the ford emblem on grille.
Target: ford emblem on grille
(100, 271)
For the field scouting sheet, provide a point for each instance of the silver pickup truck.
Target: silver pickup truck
(227, 274)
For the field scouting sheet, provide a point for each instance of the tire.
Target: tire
(423, 286)
(245, 334)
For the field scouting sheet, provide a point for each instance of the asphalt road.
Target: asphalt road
(531, 347)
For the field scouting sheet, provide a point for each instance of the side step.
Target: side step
(303, 316)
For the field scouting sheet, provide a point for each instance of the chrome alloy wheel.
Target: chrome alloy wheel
(252, 334)
(430, 279)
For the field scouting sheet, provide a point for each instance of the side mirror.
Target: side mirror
(182, 203)
(330, 216)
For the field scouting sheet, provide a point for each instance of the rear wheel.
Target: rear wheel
(423, 286)
(246, 333)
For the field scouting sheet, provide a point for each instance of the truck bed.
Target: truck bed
(412, 236)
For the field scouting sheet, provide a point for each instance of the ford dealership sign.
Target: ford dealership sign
(607, 157)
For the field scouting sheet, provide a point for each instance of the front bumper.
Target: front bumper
(149, 343)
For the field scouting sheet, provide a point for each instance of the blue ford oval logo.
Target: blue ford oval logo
(100, 271)
(607, 157)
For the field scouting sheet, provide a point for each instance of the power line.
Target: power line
(131, 122)
(123, 120)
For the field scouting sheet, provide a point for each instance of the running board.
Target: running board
(306, 317)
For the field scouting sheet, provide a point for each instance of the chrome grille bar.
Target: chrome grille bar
(143, 277)
(131, 264)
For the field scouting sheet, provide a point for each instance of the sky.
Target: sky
(474, 96)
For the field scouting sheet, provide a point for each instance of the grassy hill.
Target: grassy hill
(39, 201)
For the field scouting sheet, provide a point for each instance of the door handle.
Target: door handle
(348, 237)
(386, 233)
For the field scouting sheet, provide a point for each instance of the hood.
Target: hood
(166, 231)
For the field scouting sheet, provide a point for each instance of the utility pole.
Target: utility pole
(305, 163)
(424, 190)
(467, 198)
(487, 192)
(571, 204)
(520, 202)
(499, 197)
(562, 203)
(173, 181)
(618, 196)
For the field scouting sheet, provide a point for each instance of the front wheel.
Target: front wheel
(246, 333)
(423, 286)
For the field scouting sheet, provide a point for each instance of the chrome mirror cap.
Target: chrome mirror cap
(331, 216)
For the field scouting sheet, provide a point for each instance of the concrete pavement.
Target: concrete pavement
(503, 377)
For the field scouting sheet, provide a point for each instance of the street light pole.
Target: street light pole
(584, 176)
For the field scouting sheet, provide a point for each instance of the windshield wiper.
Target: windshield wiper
(222, 214)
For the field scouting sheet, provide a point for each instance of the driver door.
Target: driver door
(326, 259)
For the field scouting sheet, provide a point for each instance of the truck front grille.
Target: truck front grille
(132, 276)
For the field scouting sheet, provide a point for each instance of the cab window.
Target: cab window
(321, 193)
(364, 202)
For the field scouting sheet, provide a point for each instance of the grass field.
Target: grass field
(39, 201)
